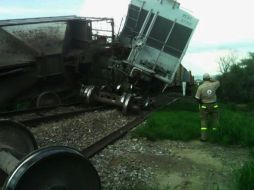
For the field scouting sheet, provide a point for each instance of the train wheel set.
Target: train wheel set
(127, 102)
(24, 166)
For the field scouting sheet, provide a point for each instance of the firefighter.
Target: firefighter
(208, 107)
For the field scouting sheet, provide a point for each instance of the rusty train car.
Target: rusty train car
(54, 60)
(44, 59)
(183, 75)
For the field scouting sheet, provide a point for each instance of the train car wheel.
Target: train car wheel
(47, 99)
(54, 168)
(17, 139)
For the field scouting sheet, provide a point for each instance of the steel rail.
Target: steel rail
(35, 110)
(33, 122)
(111, 138)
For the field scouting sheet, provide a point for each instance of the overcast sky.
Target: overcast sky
(225, 26)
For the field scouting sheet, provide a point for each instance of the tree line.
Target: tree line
(237, 79)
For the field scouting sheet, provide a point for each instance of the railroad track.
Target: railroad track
(34, 117)
(16, 141)
(33, 122)
(34, 110)
(114, 136)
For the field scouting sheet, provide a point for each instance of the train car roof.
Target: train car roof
(10, 22)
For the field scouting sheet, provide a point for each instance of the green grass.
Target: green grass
(245, 177)
(180, 121)
(236, 128)
(150, 188)
(166, 125)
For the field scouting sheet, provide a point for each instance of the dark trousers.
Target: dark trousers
(209, 117)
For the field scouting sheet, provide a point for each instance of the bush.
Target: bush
(241, 77)
(236, 128)
(245, 177)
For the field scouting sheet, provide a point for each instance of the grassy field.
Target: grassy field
(155, 188)
(180, 121)
(245, 176)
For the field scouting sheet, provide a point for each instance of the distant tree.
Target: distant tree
(237, 82)
(226, 62)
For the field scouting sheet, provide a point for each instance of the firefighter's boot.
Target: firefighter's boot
(214, 135)
(203, 136)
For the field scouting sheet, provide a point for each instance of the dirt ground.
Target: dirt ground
(175, 165)
(194, 165)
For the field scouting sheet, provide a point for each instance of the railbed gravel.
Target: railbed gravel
(120, 167)
(80, 131)
(117, 165)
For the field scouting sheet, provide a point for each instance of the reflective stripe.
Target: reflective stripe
(203, 128)
(215, 106)
(203, 107)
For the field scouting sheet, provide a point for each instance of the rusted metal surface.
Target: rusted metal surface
(47, 47)
(13, 51)
(26, 39)
(43, 38)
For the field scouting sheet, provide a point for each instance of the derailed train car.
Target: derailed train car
(182, 75)
(47, 61)
(158, 33)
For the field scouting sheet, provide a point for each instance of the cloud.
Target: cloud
(16, 9)
(237, 45)
(224, 26)
(207, 61)
(116, 9)
(201, 58)
(11, 12)
(24, 12)
(19, 10)
(222, 21)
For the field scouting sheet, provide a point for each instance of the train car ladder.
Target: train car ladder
(139, 13)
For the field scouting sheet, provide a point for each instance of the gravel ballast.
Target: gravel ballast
(80, 131)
